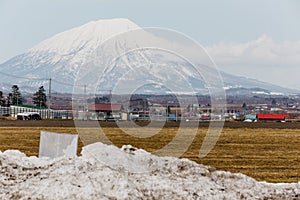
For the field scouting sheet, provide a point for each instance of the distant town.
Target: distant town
(258, 107)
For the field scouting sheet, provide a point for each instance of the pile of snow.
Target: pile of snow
(107, 172)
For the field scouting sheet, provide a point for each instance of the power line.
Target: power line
(39, 79)
(67, 84)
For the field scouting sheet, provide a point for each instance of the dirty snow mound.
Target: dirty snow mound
(107, 172)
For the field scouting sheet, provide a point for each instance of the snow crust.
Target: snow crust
(107, 172)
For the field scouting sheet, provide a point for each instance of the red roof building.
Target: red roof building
(272, 116)
(105, 107)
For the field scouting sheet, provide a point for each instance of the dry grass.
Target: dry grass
(266, 154)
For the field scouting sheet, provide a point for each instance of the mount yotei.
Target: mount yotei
(66, 57)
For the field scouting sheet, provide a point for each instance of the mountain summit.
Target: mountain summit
(84, 38)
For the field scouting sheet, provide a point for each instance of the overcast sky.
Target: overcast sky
(257, 39)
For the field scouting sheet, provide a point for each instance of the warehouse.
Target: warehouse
(272, 117)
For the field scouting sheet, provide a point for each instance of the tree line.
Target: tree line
(15, 97)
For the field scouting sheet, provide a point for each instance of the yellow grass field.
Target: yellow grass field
(266, 154)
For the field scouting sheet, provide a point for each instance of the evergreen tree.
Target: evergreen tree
(244, 106)
(9, 99)
(16, 98)
(2, 100)
(40, 98)
(188, 108)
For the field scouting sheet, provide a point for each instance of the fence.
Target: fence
(44, 113)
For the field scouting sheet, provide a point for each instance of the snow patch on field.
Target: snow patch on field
(107, 172)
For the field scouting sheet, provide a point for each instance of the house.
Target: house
(105, 111)
(251, 118)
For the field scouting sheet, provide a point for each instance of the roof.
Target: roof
(253, 117)
(272, 116)
(105, 107)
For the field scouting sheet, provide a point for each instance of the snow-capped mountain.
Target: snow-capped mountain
(73, 57)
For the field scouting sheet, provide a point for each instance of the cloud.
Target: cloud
(261, 51)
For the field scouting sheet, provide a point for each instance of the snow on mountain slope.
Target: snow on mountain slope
(107, 172)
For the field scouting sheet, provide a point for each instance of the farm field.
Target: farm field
(265, 154)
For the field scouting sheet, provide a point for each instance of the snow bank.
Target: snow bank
(107, 172)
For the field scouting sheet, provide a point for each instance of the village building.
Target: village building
(106, 111)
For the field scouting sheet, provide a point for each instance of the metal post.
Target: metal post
(167, 110)
(176, 113)
(110, 96)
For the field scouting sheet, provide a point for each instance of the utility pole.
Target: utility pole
(110, 96)
(49, 105)
(84, 103)
(84, 99)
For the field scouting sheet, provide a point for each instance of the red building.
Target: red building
(105, 107)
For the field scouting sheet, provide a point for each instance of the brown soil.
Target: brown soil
(70, 123)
